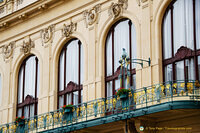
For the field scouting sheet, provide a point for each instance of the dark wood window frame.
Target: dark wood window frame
(71, 86)
(116, 73)
(28, 100)
(183, 52)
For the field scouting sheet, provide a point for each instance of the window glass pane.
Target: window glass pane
(190, 70)
(134, 81)
(180, 70)
(61, 101)
(26, 111)
(199, 65)
(109, 55)
(167, 52)
(72, 62)
(133, 45)
(32, 110)
(109, 88)
(168, 73)
(30, 77)
(38, 79)
(61, 71)
(69, 99)
(20, 84)
(19, 113)
(117, 84)
(121, 40)
(183, 24)
(197, 19)
(75, 97)
(81, 96)
(82, 64)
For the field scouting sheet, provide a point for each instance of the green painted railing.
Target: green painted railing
(136, 99)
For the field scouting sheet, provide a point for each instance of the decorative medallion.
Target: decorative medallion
(69, 29)
(47, 35)
(27, 45)
(91, 15)
(8, 50)
(117, 8)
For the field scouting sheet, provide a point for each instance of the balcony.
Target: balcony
(139, 102)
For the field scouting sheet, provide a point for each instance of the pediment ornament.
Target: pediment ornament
(91, 16)
(116, 9)
(69, 29)
(27, 45)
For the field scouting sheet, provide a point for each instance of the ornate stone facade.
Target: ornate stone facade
(8, 50)
(27, 45)
(47, 35)
(91, 16)
(116, 9)
(69, 29)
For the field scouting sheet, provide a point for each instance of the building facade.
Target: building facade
(56, 53)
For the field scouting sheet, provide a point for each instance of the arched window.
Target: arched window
(181, 41)
(121, 35)
(28, 87)
(70, 76)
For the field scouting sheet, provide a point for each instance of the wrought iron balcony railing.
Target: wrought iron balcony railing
(138, 99)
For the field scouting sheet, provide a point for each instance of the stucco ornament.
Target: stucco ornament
(69, 29)
(141, 1)
(8, 50)
(116, 9)
(27, 45)
(91, 16)
(47, 35)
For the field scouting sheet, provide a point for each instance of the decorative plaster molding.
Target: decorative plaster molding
(69, 29)
(47, 35)
(141, 1)
(22, 17)
(3, 25)
(8, 50)
(116, 9)
(91, 16)
(43, 7)
(27, 45)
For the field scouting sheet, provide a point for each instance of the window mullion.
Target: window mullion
(36, 75)
(113, 84)
(195, 47)
(130, 50)
(79, 71)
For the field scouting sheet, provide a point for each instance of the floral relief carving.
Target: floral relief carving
(116, 9)
(27, 45)
(141, 1)
(47, 35)
(69, 29)
(8, 50)
(91, 15)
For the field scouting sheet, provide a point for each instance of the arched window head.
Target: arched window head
(181, 42)
(28, 87)
(121, 35)
(70, 75)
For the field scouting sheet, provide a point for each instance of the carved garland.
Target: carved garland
(69, 29)
(116, 9)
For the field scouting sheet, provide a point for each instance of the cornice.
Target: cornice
(26, 12)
